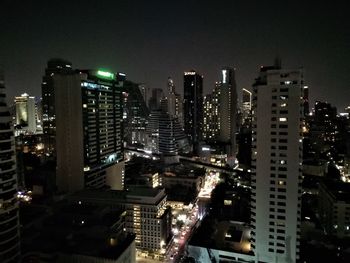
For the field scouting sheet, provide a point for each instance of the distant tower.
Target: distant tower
(25, 113)
(174, 102)
(144, 91)
(276, 164)
(211, 118)
(165, 136)
(9, 225)
(135, 113)
(246, 104)
(154, 101)
(306, 100)
(171, 86)
(54, 66)
(228, 109)
(193, 107)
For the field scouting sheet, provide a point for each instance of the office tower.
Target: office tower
(135, 114)
(154, 101)
(244, 143)
(39, 115)
(211, 118)
(228, 109)
(174, 102)
(54, 66)
(246, 104)
(9, 225)
(306, 100)
(193, 107)
(144, 91)
(88, 109)
(165, 136)
(25, 114)
(324, 128)
(276, 164)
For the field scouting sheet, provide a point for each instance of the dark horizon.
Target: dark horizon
(153, 40)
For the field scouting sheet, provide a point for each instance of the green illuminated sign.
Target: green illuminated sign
(105, 74)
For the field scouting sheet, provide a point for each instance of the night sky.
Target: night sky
(151, 40)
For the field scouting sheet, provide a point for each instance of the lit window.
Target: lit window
(283, 119)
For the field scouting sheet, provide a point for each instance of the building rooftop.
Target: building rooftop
(79, 229)
(135, 194)
(224, 235)
(340, 190)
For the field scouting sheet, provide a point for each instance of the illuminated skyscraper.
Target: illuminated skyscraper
(89, 130)
(246, 104)
(25, 114)
(174, 102)
(211, 119)
(193, 107)
(9, 225)
(306, 100)
(276, 164)
(54, 66)
(165, 136)
(228, 109)
(135, 114)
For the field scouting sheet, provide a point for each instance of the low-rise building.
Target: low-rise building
(226, 241)
(334, 207)
(317, 168)
(147, 215)
(78, 233)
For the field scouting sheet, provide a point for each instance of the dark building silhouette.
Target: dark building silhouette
(154, 101)
(193, 107)
(54, 66)
(135, 113)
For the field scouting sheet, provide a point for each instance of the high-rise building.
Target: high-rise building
(88, 110)
(39, 115)
(154, 101)
(193, 107)
(173, 101)
(276, 164)
(324, 128)
(211, 118)
(144, 89)
(54, 66)
(306, 100)
(135, 114)
(25, 120)
(246, 104)
(165, 136)
(9, 224)
(228, 109)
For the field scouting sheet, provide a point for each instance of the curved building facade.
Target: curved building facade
(165, 135)
(9, 230)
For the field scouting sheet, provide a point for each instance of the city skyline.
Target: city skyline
(174, 131)
(194, 35)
